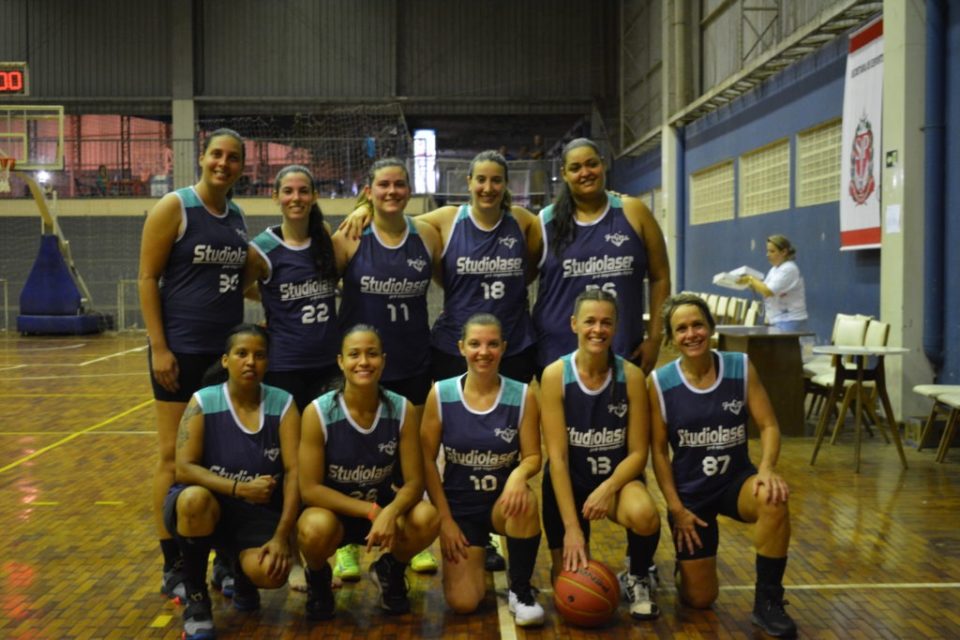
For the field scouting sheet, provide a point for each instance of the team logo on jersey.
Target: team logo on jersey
(733, 406)
(618, 410)
(616, 239)
(508, 241)
(272, 454)
(417, 263)
(242, 234)
(389, 448)
(507, 435)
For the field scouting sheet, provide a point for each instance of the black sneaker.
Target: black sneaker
(172, 583)
(388, 575)
(222, 579)
(320, 604)
(197, 617)
(769, 614)
(246, 596)
(492, 560)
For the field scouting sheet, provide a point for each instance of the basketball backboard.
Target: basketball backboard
(33, 135)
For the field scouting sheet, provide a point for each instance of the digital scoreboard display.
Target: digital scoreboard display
(14, 80)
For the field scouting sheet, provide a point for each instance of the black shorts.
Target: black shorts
(242, 525)
(192, 367)
(355, 530)
(414, 388)
(304, 384)
(520, 366)
(553, 521)
(723, 503)
(476, 527)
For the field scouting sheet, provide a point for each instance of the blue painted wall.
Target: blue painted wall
(802, 96)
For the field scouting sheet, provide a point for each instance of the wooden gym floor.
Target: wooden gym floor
(873, 556)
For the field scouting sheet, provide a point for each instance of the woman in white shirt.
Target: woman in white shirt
(783, 292)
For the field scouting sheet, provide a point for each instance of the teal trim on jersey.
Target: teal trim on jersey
(734, 364)
(463, 212)
(189, 197)
(619, 375)
(213, 399)
(328, 407)
(449, 389)
(614, 200)
(668, 376)
(397, 403)
(568, 373)
(266, 241)
(513, 392)
(411, 228)
(275, 400)
(546, 214)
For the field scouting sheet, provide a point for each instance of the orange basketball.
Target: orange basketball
(588, 597)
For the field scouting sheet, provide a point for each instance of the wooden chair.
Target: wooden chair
(933, 391)
(848, 331)
(752, 315)
(951, 400)
(720, 315)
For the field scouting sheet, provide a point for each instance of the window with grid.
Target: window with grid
(711, 194)
(765, 179)
(818, 164)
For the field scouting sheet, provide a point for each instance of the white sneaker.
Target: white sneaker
(526, 611)
(639, 594)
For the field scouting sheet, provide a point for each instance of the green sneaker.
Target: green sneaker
(347, 565)
(424, 562)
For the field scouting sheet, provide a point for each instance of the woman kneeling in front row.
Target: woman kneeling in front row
(697, 408)
(354, 439)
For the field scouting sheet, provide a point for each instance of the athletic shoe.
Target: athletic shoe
(653, 575)
(197, 617)
(492, 560)
(526, 611)
(639, 595)
(320, 603)
(246, 596)
(424, 562)
(222, 579)
(769, 614)
(388, 575)
(172, 583)
(347, 563)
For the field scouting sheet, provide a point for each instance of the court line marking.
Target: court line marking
(82, 375)
(161, 621)
(109, 503)
(43, 503)
(874, 586)
(59, 348)
(64, 433)
(77, 434)
(508, 629)
(16, 366)
(113, 355)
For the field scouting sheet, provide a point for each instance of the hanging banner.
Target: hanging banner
(860, 153)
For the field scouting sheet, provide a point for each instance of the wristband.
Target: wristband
(234, 492)
(374, 510)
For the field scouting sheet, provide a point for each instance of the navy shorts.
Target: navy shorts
(476, 527)
(304, 385)
(192, 367)
(414, 388)
(242, 525)
(722, 503)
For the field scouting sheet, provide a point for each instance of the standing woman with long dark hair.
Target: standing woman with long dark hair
(293, 264)
(192, 252)
(595, 239)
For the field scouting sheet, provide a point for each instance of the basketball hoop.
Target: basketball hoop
(6, 166)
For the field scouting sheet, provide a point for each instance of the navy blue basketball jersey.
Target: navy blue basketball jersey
(200, 286)
(605, 254)
(387, 287)
(300, 307)
(484, 272)
(481, 448)
(232, 451)
(597, 422)
(707, 427)
(361, 462)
